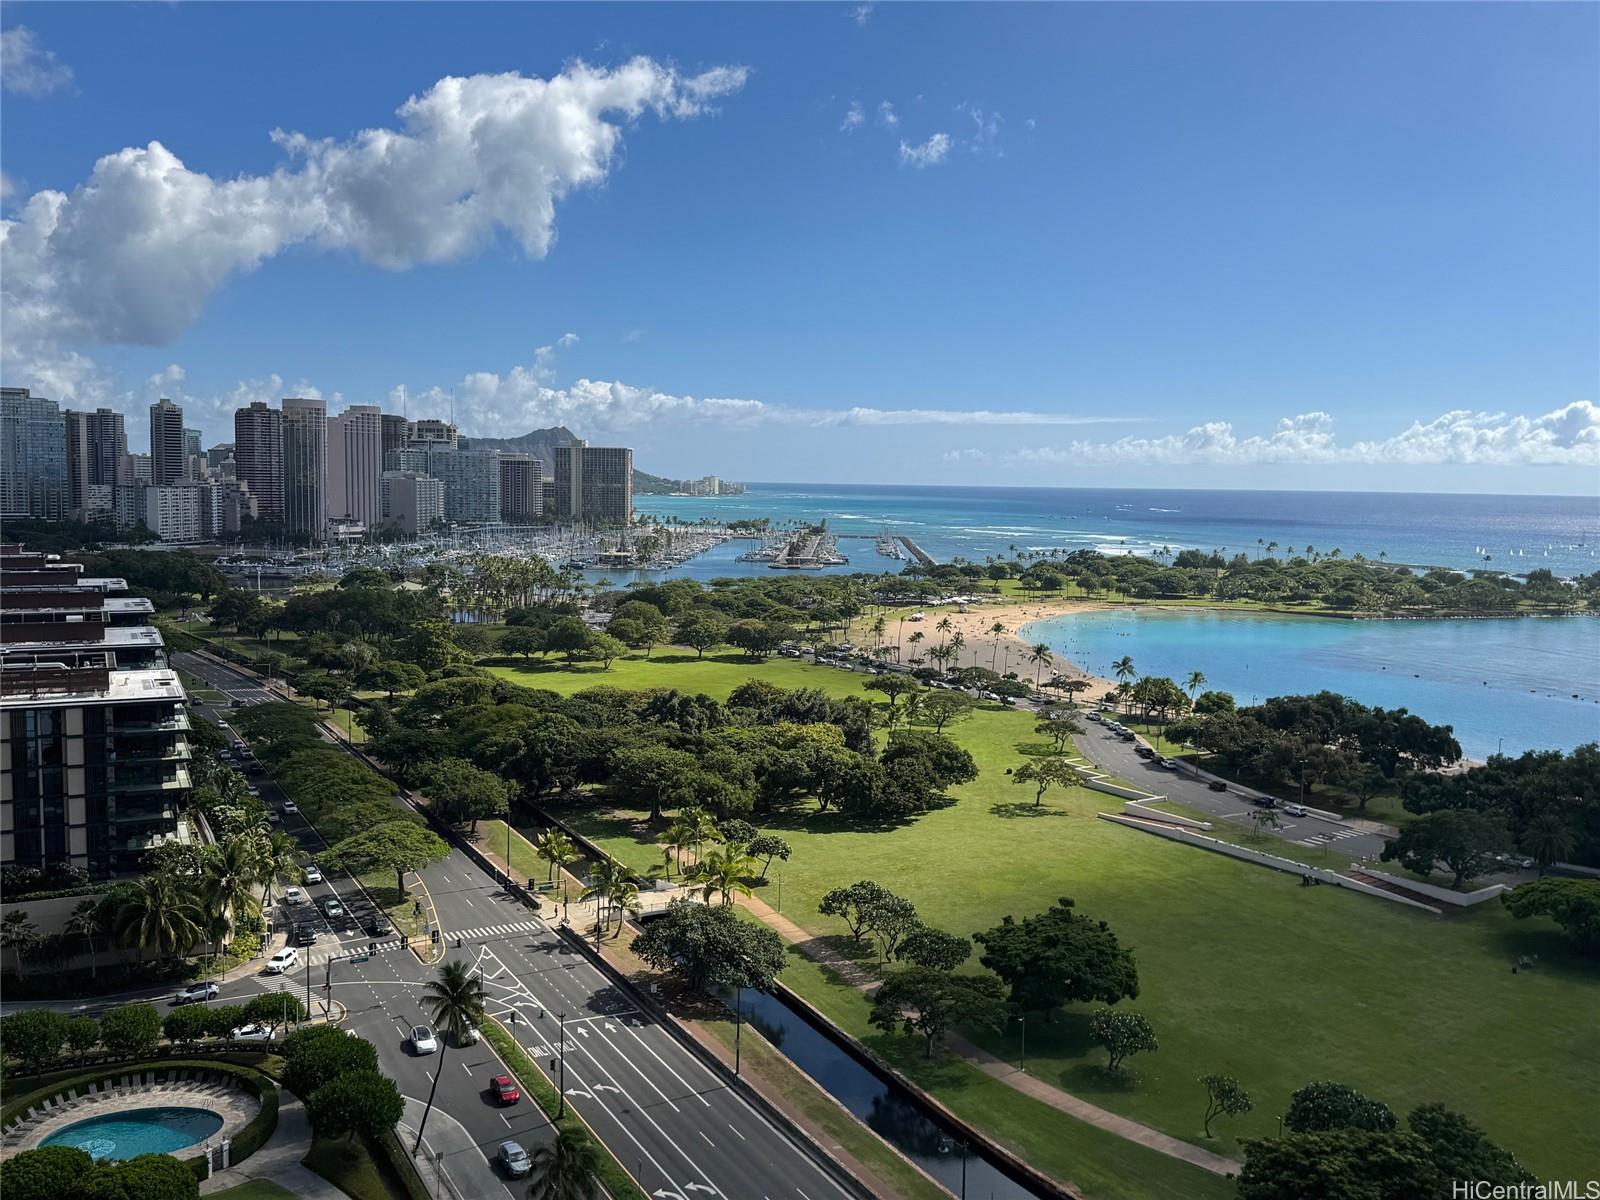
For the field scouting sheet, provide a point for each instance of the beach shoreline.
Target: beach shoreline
(981, 649)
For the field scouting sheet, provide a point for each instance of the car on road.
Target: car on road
(513, 1160)
(313, 873)
(1167, 764)
(196, 993)
(505, 1089)
(293, 895)
(1294, 810)
(253, 790)
(1144, 752)
(1217, 785)
(251, 1033)
(274, 816)
(379, 927)
(1126, 735)
(282, 961)
(304, 935)
(1263, 801)
(290, 807)
(471, 1036)
(423, 1041)
(1096, 717)
(331, 908)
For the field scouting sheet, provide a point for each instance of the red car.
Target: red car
(505, 1089)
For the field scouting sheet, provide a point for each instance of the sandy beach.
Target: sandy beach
(981, 648)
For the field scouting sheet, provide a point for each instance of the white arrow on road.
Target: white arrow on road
(610, 1028)
(606, 1087)
(666, 1195)
(699, 1187)
(580, 1092)
(583, 1031)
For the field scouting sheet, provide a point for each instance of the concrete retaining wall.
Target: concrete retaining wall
(1136, 808)
(1442, 894)
(1287, 865)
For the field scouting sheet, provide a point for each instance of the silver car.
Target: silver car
(514, 1159)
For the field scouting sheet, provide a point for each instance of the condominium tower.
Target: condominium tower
(168, 460)
(305, 466)
(258, 456)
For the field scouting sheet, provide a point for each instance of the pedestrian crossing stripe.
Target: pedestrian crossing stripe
(494, 931)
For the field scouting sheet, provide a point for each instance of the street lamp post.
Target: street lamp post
(738, 1026)
(561, 1085)
(1022, 1056)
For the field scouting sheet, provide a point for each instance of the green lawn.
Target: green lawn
(351, 1167)
(1242, 970)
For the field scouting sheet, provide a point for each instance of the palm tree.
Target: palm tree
(1548, 839)
(159, 914)
(567, 1168)
(878, 626)
(227, 890)
(1041, 657)
(555, 848)
(677, 837)
(702, 828)
(943, 626)
(88, 922)
(722, 873)
(277, 857)
(605, 882)
(998, 629)
(455, 1002)
(1196, 681)
(19, 935)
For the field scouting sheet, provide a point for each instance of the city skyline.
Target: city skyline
(1124, 248)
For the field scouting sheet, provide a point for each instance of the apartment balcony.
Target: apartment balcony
(133, 781)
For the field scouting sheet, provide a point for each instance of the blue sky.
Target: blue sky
(1274, 245)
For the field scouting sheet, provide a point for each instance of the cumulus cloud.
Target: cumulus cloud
(1568, 436)
(853, 117)
(861, 13)
(133, 254)
(927, 154)
(887, 117)
(27, 68)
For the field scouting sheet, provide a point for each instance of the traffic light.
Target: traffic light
(434, 936)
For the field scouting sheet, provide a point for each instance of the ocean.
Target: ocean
(1510, 684)
(1513, 533)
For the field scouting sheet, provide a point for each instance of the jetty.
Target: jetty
(809, 550)
(922, 557)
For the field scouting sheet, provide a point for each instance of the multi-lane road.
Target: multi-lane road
(669, 1120)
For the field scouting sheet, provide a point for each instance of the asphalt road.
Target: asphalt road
(1117, 757)
(673, 1124)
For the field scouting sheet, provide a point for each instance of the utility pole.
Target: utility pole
(561, 1086)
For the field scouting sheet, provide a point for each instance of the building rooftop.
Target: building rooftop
(113, 637)
(47, 682)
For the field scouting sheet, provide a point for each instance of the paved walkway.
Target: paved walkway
(1008, 1074)
(279, 1160)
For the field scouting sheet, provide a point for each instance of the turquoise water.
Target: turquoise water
(1514, 684)
(142, 1131)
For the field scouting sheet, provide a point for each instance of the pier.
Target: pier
(922, 557)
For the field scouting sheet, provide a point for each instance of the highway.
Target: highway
(672, 1123)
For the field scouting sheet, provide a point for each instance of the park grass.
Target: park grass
(1242, 971)
(350, 1166)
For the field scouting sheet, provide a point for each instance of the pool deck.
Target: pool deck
(235, 1106)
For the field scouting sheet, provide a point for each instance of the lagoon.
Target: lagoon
(1511, 684)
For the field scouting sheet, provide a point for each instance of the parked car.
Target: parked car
(1217, 785)
(1263, 801)
(290, 807)
(196, 993)
(313, 873)
(1144, 752)
(251, 1033)
(293, 895)
(505, 1089)
(1294, 810)
(1096, 717)
(1167, 764)
(514, 1160)
(423, 1041)
(282, 961)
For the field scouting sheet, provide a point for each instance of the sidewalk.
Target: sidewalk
(279, 1160)
(995, 1068)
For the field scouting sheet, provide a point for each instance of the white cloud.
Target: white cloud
(930, 153)
(862, 13)
(1568, 436)
(853, 117)
(7, 186)
(986, 129)
(27, 68)
(544, 357)
(886, 115)
(133, 254)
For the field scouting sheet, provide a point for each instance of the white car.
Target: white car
(313, 873)
(471, 1037)
(196, 993)
(283, 960)
(293, 895)
(332, 908)
(423, 1041)
(290, 807)
(1294, 810)
(251, 1033)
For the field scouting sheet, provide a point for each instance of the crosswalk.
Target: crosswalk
(1322, 839)
(494, 931)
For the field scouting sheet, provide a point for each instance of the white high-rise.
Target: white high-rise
(355, 464)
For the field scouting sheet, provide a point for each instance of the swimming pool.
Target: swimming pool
(139, 1131)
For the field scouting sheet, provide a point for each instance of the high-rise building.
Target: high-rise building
(305, 466)
(594, 483)
(94, 748)
(97, 462)
(431, 432)
(394, 432)
(33, 457)
(139, 469)
(471, 481)
(412, 503)
(521, 488)
(191, 442)
(258, 456)
(168, 460)
(355, 463)
(219, 454)
(174, 511)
